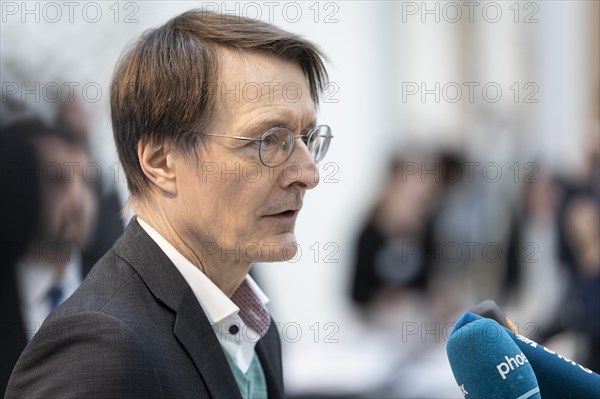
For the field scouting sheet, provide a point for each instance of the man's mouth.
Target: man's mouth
(289, 214)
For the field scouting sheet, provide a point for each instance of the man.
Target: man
(214, 118)
(49, 216)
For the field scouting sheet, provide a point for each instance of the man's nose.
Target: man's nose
(300, 168)
(76, 193)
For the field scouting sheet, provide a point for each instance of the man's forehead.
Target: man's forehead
(265, 118)
(254, 88)
(52, 147)
(256, 77)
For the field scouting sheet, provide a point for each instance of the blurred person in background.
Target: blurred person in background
(401, 283)
(50, 208)
(535, 284)
(575, 317)
(583, 230)
(72, 115)
(579, 252)
(398, 250)
(393, 252)
(452, 227)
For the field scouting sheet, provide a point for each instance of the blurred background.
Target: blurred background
(465, 166)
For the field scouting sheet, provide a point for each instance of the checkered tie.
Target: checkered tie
(252, 312)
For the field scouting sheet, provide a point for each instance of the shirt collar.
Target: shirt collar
(213, 301)
(35, 278)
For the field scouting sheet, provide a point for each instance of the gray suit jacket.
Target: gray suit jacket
(134, 329)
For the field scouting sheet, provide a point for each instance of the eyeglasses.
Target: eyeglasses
(277, 144)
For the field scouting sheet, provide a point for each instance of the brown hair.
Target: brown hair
(161, 87)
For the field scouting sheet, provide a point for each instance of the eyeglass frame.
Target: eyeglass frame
(260, 140)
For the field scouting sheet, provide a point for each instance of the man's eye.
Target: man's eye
(304, 136)
(269, 141)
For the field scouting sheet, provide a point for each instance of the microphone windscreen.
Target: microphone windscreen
(487, 363)
(557, 376)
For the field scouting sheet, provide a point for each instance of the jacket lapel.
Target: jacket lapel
(192, 328)
(198, 338)
(267, 349)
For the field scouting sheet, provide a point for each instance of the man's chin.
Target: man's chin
(279, 248)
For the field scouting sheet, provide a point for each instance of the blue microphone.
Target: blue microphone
(488, 364)
(558, 377)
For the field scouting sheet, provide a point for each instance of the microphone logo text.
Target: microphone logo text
(510, 364)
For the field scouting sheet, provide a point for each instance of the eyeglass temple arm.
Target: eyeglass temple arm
(255, 139)
(233, 137)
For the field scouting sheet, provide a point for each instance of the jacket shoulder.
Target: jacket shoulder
(85, 354)
(106, 279)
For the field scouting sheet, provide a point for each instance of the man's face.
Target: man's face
(68, 202)
(229, 201)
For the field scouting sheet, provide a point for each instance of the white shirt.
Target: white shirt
(34, 281)
(219, 308)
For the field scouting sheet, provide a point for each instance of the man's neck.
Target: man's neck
(228, 276)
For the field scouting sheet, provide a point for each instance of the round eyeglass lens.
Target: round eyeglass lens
(276, 146)
(318, 142)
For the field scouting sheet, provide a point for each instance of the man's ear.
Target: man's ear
(157, 163)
